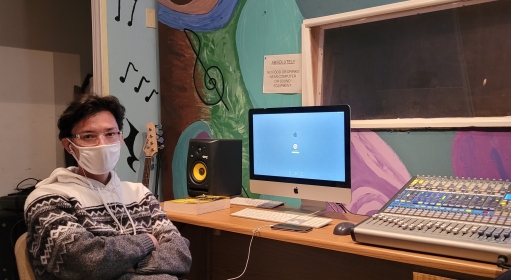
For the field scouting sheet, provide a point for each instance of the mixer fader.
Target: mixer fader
(459, 217)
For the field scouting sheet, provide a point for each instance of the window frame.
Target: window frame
(313, 31)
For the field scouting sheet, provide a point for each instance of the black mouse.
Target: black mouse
(343, 228)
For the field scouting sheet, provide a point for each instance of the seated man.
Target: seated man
(84, 223)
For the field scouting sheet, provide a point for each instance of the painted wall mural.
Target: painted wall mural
(133, 78)
(202, 91)
(478, 154)
(211, 65)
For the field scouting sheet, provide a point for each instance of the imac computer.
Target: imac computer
(301, 152)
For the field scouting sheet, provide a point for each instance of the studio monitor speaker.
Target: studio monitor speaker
(214, 167)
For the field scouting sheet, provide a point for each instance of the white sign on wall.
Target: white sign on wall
(282, 73)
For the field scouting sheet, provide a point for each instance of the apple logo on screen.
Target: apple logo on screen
(296, 190)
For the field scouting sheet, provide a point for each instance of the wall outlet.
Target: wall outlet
(150, 18)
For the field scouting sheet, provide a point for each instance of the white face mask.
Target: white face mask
(98, 160)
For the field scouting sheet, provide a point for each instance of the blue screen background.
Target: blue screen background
(319, 137)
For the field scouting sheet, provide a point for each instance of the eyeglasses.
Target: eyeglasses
(89, 139)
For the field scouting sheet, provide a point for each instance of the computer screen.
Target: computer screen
(301, 152)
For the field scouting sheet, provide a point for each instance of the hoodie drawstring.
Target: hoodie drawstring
(98, 193)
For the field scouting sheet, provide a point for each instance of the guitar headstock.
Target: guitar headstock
(152, 142)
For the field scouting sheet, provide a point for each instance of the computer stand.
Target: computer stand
(310, 207)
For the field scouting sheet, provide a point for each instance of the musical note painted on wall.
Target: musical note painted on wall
(132, 11)
(147, 98)
(123, 79)
(143, 79)
(130, 143)
(213, 77)
(118, 16)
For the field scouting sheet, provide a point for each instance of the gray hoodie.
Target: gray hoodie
(79, 228)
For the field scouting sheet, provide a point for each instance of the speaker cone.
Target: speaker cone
(199, 172)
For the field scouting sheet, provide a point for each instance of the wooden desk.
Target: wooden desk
(219, 244)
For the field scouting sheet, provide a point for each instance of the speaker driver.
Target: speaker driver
(199, 172)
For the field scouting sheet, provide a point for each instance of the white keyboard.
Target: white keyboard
(261, 203)
(280, 217)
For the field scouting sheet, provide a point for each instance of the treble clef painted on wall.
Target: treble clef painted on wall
(213, 77)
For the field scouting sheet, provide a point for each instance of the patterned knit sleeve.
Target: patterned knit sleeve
(61, 247)
(173, 254)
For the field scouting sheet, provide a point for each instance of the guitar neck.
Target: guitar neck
(147, 171)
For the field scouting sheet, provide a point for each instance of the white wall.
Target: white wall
(62, 26)
(28, 114)
(45, 50)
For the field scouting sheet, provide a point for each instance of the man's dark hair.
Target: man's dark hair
(86, 106)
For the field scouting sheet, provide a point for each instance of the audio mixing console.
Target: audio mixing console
(458, 217)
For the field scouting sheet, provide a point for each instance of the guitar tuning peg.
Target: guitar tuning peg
(161, 146)
(160, 139)
(159, 126)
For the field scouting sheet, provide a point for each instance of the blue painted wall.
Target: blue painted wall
(137, 44)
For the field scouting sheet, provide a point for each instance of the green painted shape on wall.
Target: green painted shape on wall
(422, 152)
(229, 118)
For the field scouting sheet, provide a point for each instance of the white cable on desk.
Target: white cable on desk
(250, 245)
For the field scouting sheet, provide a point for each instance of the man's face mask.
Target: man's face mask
(98, 160)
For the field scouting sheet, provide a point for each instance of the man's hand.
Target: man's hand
(155, 242)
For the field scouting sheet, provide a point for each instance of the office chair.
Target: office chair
(22, 261)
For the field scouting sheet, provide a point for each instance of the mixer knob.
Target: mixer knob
(448, 229)
(429, 225)
(455, 231)
(404, 226)
(496, 233)
(375, 216)
(464, 230)
(481, 230)
(474, 229)
(506, 233)
(489, 232)
(411, 227)
(400, 222)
